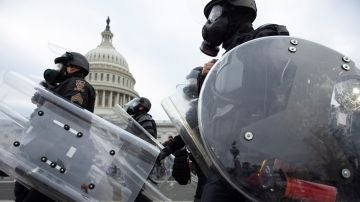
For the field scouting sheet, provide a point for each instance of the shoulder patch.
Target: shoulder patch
(79, 85)
(77, 99)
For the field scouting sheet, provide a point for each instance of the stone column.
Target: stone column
(103, 98)
(111, 99)
(117, 98)
(123, 99)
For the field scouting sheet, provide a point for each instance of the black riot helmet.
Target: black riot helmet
(53, 76)
(243, 3)
(75, 59)
(224, 19)
(133, 106)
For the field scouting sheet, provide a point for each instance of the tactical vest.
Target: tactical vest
(148, 123)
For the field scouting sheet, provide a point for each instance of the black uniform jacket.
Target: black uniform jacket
(76, 90)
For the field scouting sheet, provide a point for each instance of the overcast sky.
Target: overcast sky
(160, 39)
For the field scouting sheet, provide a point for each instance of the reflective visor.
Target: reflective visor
(215, 13)
(132, 103)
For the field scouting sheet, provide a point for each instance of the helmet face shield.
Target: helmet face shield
(132, 105)
(215, 13)
(60, 66)
(279, 124)
(64, 59)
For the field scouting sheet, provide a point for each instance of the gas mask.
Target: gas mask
(214, 31)
(54, 76)
(225, 20)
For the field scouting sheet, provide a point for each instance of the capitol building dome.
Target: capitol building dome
(110, 75)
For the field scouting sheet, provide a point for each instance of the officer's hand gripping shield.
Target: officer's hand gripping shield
(181, 107)
(279, 118)
(161, 172)
(67, 152)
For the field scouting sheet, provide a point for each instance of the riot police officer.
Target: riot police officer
(229, 23)
(274, 123)
(69, 83)
(181, 167)
(138, 108)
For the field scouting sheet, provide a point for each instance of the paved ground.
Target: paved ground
(177, 192)
(171, 189)
(6, 190)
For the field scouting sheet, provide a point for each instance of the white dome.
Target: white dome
(109, 75)
(107, 54)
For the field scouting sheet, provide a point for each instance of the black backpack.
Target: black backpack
(262, 31)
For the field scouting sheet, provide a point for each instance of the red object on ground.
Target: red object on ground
(309, 191)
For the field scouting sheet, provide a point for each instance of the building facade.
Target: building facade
(110, 75)
(165, 129)
(114, 83)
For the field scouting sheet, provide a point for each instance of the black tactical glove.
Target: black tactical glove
(45, 84)
(36, 98)
(163, 154)
(181, 168)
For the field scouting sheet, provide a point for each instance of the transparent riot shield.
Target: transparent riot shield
(182, 111)
(65, 151)
(279, 120)
(161, 172)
